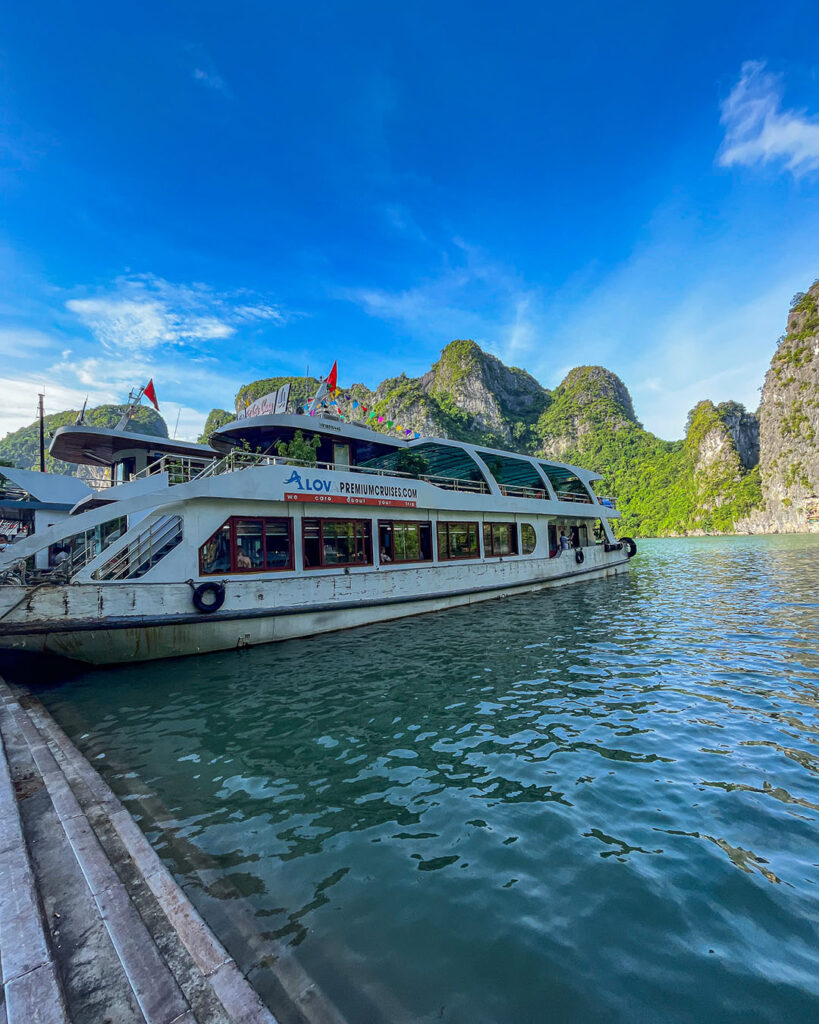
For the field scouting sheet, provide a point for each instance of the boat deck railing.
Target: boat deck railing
(181, 469)
(519, 491)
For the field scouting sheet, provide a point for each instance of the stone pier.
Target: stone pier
(93, 928)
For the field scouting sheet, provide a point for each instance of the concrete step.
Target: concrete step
(31, 988)
(128, 945)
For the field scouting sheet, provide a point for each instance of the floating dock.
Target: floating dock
(93, 927)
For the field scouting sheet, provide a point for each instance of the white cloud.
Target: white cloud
(144, 312)
(19, 406)
(759, 130)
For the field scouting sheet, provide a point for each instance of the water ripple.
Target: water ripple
(598, 804)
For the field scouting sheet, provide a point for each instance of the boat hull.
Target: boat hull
(167, 632)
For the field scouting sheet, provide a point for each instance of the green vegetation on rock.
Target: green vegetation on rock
(216, 418)
(301, 389)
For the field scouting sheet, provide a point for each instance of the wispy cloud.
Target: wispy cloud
(211, 80)
(19, 342)
(470, 296)
(142, 313)
(758, 130)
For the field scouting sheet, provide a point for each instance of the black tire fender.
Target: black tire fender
(629, 545)
(202, 599)
(579, 556)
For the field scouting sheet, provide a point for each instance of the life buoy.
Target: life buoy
(579, 556)
(209, 597)
(629, 545)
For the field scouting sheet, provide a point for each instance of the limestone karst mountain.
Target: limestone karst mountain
(733, 471)
(789, 425)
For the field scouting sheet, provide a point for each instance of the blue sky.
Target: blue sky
(209, 193)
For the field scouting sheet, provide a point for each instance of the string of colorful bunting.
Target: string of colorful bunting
(369, 414)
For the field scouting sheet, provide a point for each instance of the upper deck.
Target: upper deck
(124, 452)
(454, 465)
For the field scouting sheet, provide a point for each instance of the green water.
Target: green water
(598, 804)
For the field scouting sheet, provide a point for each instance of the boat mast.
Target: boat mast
(42, 434)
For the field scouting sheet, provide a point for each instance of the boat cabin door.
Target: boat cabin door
(341, 454)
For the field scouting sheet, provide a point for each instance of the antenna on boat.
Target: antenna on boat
(80, 420)
(178, 414)
(128, 411)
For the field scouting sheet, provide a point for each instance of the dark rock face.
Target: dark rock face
(743, 428)
(590, 399)
(789, 425)
(467, 395)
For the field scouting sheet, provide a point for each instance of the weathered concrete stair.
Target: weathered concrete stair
(93, 928)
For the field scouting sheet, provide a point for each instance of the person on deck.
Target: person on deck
(564, 541)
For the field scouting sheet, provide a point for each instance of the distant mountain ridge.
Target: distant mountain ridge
(21, 448)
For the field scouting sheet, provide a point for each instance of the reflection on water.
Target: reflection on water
(595, 804)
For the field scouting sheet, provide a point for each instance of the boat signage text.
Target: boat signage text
(349, 492)
(267, 405)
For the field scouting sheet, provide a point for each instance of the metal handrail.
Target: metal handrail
(181, 469)
(521, 491)
(143, 551)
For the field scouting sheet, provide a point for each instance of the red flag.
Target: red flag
(150, 394)
(333, 377)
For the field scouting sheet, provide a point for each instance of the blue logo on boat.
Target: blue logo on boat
(308, 484)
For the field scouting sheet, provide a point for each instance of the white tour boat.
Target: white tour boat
(205, 551)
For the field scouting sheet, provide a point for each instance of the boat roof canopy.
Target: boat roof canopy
(264, 431)
(100, 446)
(48, 488)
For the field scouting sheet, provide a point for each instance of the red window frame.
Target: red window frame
(231, 522)
(446, 556)
(390, 525)
(489, 550)
(368, 542)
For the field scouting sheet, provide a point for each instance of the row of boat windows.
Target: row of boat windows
(457, 463)
(244, 544)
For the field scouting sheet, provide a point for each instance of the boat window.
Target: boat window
(457, 540)
(512, 473)
(341, 455)
(568, 486)
(336, 542)
(432, 459)
(248, 544)
(528, 538)
(579, 535)
(500, 539)
(400, 541)
(78, 549)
